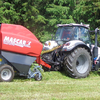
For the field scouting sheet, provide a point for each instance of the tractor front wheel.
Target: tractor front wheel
(78, 63)
(6, 73)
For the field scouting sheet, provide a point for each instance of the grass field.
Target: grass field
(54, 86)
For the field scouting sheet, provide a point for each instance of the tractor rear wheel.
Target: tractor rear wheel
(78, 63)
(6, 73)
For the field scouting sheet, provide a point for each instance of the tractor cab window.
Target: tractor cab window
(84, 35)
(73, 33)
(67, 33)
(76, 33)
(64, 33)
(58, 33)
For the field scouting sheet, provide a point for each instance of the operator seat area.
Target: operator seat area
(66, 35)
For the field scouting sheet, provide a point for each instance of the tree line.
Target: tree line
(42, 16)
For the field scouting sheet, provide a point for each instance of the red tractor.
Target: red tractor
(19, 48)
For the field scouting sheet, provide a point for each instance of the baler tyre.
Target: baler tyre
(78, 64)
(6, 73)
(37, 78)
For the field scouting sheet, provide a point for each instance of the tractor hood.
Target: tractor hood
(18, 39)
(48, 45)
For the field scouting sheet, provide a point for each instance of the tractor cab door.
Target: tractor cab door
(82, 33)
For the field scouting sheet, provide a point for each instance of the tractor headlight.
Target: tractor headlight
(45, 44)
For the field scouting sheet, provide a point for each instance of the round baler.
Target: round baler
(19, 48)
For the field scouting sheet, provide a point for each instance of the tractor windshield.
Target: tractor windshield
(64, 33)
(72, 33)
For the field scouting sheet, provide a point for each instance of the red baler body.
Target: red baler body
(18, 39)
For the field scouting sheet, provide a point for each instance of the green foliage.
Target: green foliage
(42, 16)
(8, 13)
(47, 36)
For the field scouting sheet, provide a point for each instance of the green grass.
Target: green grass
(54, 86)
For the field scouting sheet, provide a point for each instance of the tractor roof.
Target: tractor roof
(73, 24)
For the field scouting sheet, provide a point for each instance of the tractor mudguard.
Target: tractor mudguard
(68, 46)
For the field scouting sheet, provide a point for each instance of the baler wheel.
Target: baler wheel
(37, 77)
(6, 73)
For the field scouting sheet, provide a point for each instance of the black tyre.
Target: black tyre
(6, 73)
(78, 64)
(37, 78)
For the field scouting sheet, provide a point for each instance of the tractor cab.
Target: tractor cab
(67, 32)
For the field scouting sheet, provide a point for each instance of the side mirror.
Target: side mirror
(97, 30)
